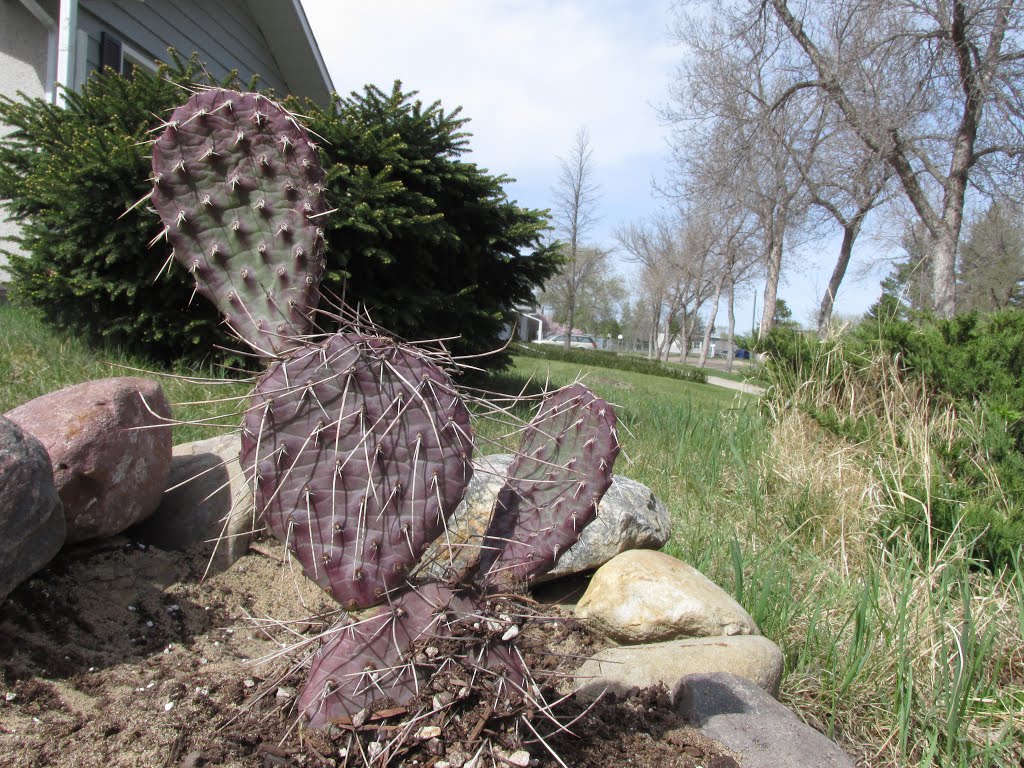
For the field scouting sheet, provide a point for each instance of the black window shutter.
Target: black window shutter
(110, 52)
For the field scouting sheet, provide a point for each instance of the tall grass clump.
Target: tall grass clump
(876, 565)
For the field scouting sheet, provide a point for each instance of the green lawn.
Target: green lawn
(34, 361)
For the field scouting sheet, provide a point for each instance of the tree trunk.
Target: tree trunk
(706, 344)
(850, 232)
(732, 322)
(771, 286)
(570, 317)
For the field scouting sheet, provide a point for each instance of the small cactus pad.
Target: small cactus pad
(238, 186)
(388, 659)
(360, 449)
(554, 484)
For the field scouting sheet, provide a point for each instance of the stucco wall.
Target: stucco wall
(22, 68)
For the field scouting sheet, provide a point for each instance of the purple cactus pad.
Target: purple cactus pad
(360, 449)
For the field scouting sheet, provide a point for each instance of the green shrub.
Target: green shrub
(70, 174)
(426, 242)
(971, 366)
(605, 359)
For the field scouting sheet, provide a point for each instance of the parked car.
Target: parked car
(579, 342)
(740, 354)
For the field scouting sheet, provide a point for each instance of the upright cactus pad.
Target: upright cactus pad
(238, 185)
(561, 471)
(360, 449)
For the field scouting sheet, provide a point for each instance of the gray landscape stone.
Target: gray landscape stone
(747, 720)
(623, 667)
(642, 596)
(628, 517)
(31, 515)
(208, 500)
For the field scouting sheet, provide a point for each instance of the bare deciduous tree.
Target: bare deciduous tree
(575, 208)
(735, 129)
(931, 86)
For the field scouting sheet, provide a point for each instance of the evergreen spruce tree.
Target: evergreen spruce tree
(426, 241)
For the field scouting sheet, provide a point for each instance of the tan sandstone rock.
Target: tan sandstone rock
(623, 667)
(642, 596)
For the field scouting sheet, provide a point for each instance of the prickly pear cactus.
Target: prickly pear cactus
(561, 471)
(238, 186)
(386, 660)
(360, 450)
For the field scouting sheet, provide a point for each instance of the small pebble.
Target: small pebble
(168, 706)
(428, 732)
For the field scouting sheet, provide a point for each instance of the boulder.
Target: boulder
(747, 720)
(208, 499)
(31, 518)
(628, 517)
(646, 597)
(623, 667)
(459, 546)
(110, 450)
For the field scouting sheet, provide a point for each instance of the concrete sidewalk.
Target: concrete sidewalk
(739, 386)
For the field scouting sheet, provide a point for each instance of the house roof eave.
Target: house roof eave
(291, 39)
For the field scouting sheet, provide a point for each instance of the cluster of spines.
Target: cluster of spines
(239, 188)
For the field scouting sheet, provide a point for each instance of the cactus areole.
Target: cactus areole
(238, 186)
(360, 450)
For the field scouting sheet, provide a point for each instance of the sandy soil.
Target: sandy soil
(119, 655)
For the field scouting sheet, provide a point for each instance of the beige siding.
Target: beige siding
(23, 54)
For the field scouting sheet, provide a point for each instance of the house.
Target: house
(50, 43)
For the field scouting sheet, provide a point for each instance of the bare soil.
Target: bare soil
(123, 655)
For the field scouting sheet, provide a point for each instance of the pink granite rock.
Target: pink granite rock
(109, 473)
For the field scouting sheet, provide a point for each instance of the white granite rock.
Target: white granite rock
(628, 517)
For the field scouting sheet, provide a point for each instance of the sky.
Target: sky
(529, 74)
